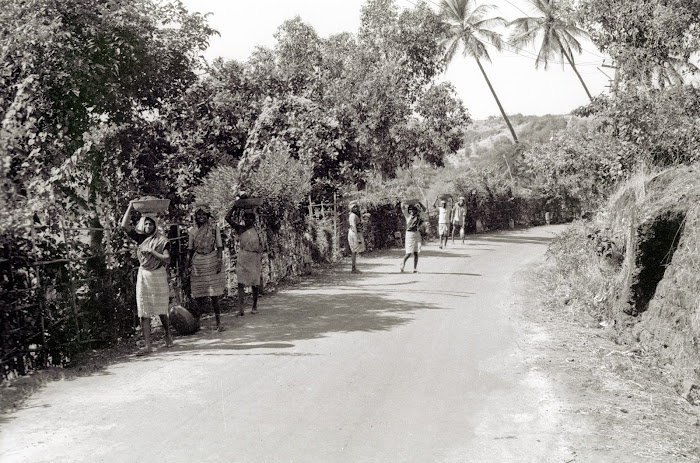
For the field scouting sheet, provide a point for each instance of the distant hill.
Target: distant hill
(488, 138)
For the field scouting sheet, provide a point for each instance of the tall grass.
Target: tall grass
(580, 273)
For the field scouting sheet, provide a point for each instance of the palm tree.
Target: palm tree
(467, 29)
(558, 37)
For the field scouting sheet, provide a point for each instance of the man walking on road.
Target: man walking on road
(444, 213)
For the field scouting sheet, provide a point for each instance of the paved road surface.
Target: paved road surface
(377, 367)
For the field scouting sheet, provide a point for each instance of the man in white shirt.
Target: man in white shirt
(444, 212)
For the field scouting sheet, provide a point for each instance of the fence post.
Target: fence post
(336, 240)
(71, 277)
(39, 292)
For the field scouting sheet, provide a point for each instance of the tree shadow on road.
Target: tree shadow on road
(453, 273)
(511, 237)
(442, 253)
(301, 315)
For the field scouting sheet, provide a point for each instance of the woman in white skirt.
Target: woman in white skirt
(249, 259)
(152, 291)
(413, 237)
(355, 238)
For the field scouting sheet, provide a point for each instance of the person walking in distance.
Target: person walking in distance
(413, 236)
(355, 238)
(444, 212)
(459, 215)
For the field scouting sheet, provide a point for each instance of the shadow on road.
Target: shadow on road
(301, 315)
(511, 238)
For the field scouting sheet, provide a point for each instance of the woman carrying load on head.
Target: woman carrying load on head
(413, 236)
(459, 214)
(355, 238)
(152, 290)
(444, 213)
(249, 259)
(205, 262)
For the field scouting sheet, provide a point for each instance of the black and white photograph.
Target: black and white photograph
(368, 231)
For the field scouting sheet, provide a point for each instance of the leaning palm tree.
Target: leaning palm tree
(557, 36)
(469, 30)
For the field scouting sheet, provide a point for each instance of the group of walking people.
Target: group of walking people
(203, 265)
(204, 259)
(450, 219)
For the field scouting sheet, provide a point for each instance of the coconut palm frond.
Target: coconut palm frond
(451, 45)
(453, 9)
(479, 51)
(490, 23)
(492, 38)
(526, 32)
(480, 12)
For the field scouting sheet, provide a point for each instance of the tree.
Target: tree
(580, 167)
(439, 129)
(298, 56)
(652, 42)
(73, 72)
(468, 30)
(658, 126)
(372, 82)
(309, 135)
(556, 33)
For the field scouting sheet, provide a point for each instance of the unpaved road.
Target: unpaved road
(377, 367)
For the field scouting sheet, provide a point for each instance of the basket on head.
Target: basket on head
(151, 204)
(248, 203)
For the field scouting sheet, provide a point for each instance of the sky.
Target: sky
(521, 88)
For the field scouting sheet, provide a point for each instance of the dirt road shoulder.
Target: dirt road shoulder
(630, 411)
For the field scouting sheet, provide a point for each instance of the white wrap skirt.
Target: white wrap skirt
(152, 292)
(413, 242)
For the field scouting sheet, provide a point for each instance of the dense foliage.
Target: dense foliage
(102, 102)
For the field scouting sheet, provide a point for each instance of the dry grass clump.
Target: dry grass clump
(649, 195)
(580, 274)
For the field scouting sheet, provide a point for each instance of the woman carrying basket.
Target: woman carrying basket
(413, 236)
(205, 262)
(249, 259)
(152, 290)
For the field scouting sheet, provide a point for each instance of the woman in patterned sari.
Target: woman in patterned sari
(205, 263)
(152, 291)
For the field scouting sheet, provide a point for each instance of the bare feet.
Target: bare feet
(144, 351)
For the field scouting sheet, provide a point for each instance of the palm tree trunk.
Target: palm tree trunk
(577, 74)
(503, 113)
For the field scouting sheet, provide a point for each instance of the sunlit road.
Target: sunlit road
(381, 367)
